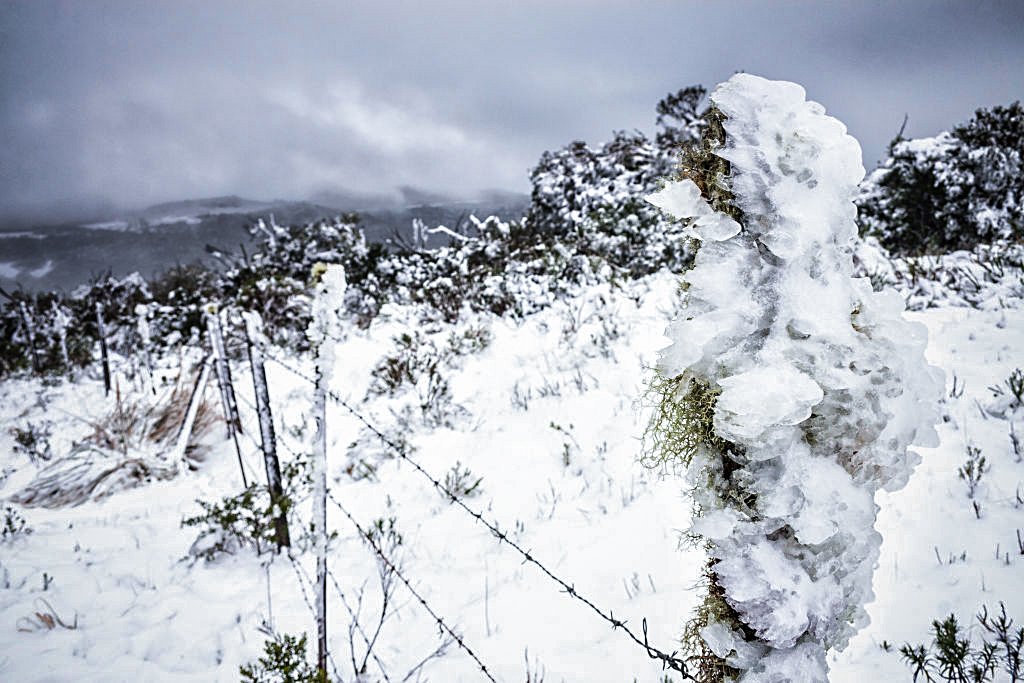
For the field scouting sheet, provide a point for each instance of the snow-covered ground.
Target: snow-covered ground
(550, 415)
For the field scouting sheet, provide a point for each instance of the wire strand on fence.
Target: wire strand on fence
(304, 578)
(442, 626)
(299, 572)
(668, 660)
(358, 627)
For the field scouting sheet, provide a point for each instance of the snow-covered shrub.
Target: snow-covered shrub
(14, 525)
(573, 184)
(791, 390)
(118, 298)
(249, 518)
(37, 334)
(179, 297)
(951, 191)
(275, 280)
(989, 276)
(33, 440)
(418, 366)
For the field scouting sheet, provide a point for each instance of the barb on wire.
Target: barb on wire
(668, 661)
(441, 625)
(299, 574)
(359, 628)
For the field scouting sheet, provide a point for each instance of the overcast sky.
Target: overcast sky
(134, 103)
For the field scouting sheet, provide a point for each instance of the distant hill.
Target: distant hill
(149, 241)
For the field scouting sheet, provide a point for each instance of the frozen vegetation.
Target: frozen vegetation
(517, 365)
(820, 386)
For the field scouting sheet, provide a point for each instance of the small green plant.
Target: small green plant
(247, 518)
(971, 472)
(1015, 384)
(384, 534)
(460, 482)
(953, 657)
(683, 421)
(283, 661)
(416, 361)
(1012, 388)
(33, 440)
(470, 339)
(14, 525)
(1015, 444)
(568, 447)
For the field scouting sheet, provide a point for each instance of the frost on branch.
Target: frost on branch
(817, 385)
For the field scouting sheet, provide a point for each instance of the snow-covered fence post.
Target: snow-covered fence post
(61, 321)
(319, 524)
(327, 302)
(30, 332)
(254, 341)
(194, 400)
(101, 330)
(790, 392)
(227, 390)
(142, 325)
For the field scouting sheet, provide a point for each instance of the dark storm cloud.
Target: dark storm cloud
(132, 104)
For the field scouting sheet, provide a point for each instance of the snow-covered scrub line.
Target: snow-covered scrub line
(602, 520)
(989, 276)
(810, 387)
(952, 191)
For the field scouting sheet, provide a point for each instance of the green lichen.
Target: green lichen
(702, 664)
(682, 423)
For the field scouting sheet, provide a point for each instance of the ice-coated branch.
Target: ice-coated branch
(814, 385)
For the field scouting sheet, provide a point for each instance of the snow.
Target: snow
(42, 270)
(548, 415)
(144, 613)
(20, 234)
(119, 226)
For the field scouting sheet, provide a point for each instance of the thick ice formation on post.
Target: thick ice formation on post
(823, 385)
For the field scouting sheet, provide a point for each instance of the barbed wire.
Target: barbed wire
(299, 572)
(441, 624)
(358, 627)
(304, 578)
(668, 661)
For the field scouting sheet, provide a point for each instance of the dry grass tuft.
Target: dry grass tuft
(129, 447)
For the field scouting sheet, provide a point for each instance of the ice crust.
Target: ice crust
(823, 384)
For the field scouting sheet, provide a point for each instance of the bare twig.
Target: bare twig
(668, 660)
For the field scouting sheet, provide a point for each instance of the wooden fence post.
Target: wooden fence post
(61, 320)
(196, 398)
(254, 341)
(102, 330)
(227, 391)
(320, 514)
(328, 293)
(142, 325)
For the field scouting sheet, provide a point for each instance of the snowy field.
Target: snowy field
(549, 415)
